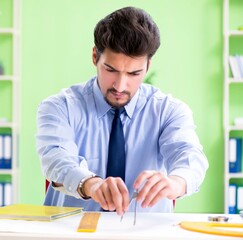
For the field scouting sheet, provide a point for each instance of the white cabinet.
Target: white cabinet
(232, 103)
(9, 99)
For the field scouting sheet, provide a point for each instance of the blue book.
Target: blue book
(232, 199)
(7, 151)
(235, 155)
(1, 152)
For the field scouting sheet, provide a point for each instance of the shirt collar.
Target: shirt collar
(103, 107)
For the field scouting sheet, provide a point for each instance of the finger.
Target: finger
(109, 193)
(109, 200)
(162, 194)
(119, 193)
(156, 193)
(142, 177)
(146, 189)
(125, 196)
(100, 197)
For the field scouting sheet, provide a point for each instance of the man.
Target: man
(163, 158)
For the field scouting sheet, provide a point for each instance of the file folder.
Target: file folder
(232, 198)
(1, 152)
(7, 194)
(235, 155)
(7, 151)
(239, 198)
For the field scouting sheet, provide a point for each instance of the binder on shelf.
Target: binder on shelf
(234, 67)
(232, 198)
(235, 155)
(240, 64)
(1, 68)
(239, 198)
(7, 151)
(1, 151)
(1, 194)
(7, 194)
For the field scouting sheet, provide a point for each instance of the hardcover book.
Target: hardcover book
(36, 213)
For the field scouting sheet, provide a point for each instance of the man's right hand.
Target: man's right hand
(111, 193)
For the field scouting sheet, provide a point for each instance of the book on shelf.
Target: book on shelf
(236, 66)
(232, 198)
(240, 64)
(5, 193)
(239, 201)
(235, 155)
(5, 151)
(36, 212)
(1, 68)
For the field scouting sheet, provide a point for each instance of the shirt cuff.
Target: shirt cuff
(192, 184)
(71, 181)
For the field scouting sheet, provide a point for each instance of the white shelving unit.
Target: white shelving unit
(14, 79)
(228, 81)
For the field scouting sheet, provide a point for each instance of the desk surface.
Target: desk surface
(149, 226)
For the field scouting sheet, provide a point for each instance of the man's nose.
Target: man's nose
(120, 83)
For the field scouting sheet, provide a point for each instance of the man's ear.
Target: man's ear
(94, 56)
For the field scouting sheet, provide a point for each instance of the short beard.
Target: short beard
(117, 105)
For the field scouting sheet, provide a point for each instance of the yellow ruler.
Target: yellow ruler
(213, 228)
(89, 222)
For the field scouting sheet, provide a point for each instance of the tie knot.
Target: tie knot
(118, 112)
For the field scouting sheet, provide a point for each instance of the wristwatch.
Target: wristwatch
(81, 184)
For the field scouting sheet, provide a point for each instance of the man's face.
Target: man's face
(119, 76)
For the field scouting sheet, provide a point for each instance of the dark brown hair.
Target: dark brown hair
(130, 31)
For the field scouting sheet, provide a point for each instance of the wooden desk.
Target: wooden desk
(150, 226)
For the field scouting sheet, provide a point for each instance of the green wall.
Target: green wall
(57, 39)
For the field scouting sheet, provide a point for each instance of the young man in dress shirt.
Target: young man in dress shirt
(164, 158)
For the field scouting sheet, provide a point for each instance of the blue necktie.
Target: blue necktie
(116, 154)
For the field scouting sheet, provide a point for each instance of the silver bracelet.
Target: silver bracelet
(81, 184)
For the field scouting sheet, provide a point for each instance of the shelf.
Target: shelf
(235, 80)
(6, 171)
(10, 125)
(235, 128)
(235, 175)
(6, 125)
(7, 31)
(232, 40)
(6, 78)
(232, 33)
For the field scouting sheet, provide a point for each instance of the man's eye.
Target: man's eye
(134, 74)
(110, 70)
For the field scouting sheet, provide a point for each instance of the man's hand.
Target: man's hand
(157, 186)
(111, 193)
